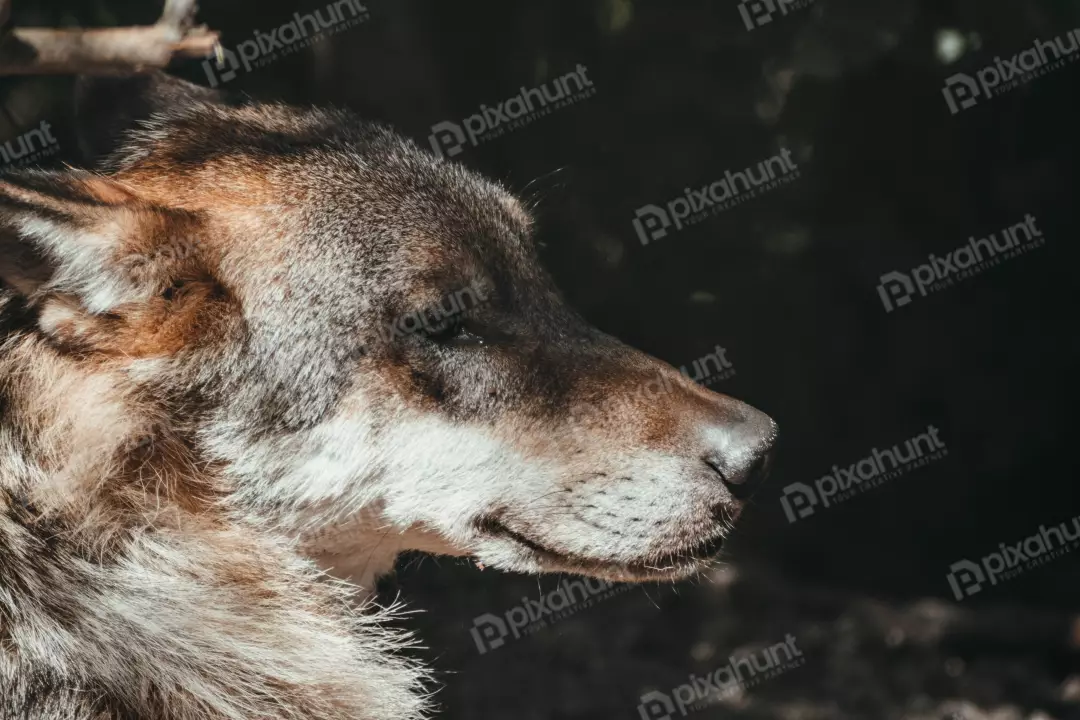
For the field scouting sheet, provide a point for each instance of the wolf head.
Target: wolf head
(342, 324)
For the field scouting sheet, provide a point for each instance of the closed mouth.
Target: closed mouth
(670, 565)
(701, 551)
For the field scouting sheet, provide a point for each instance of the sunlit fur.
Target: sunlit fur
(203, 416)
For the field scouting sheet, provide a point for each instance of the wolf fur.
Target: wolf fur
(216, 429)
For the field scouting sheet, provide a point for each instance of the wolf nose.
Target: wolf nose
(742, 453)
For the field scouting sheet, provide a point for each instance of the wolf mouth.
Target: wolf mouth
(670, 565)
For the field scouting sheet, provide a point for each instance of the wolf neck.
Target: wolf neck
(364, 548)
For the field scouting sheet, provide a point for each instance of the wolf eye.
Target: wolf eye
(457, 332)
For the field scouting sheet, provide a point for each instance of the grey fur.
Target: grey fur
(201, 410)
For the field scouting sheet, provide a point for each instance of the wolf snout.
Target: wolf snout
(741, 452)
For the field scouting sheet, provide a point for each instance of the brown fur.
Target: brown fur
(202, 410)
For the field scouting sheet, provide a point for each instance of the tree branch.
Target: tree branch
(41, 51)
(179, 14)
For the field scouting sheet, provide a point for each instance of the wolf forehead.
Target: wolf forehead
(287, 180)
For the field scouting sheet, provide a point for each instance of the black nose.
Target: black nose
(754, 477)
(743, 485)
(743, 456)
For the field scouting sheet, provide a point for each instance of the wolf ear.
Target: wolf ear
(107, 108)
(105, 270)
(63, 232)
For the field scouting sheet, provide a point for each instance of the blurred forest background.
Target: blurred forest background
(786, 283)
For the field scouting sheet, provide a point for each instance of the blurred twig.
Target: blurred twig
(41, 51)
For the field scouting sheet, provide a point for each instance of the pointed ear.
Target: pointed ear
(105, 270)
(107, 108)
(69, 233)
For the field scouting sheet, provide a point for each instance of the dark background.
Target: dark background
(786, 282)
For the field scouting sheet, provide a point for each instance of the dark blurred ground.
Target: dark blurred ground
(863, 656)
(787, 284)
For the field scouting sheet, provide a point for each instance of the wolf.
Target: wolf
(216, 430)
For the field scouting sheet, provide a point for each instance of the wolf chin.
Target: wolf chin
(210, 448)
